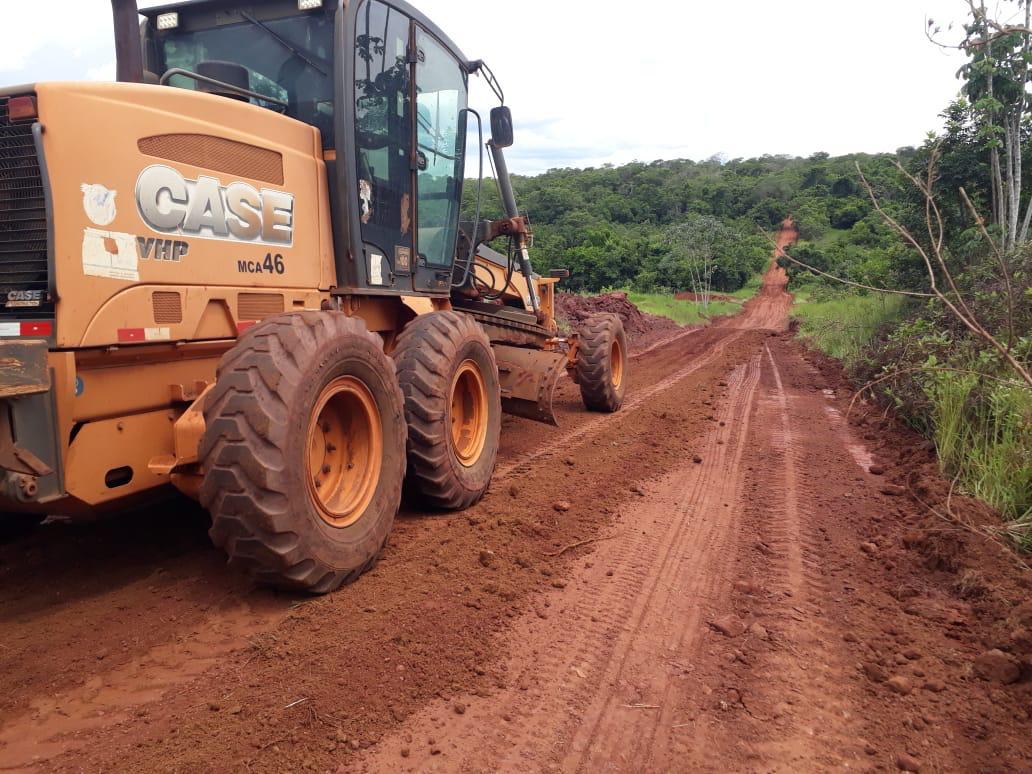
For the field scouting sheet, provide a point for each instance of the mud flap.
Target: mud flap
(29, 458)
(528, 378)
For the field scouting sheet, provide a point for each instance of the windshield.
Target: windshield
(301, 77)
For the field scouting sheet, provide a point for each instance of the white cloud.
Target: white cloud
(66, 24)
(104, 72)
(592, 82)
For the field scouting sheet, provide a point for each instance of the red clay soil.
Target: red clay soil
(642, 329)
(726, 575)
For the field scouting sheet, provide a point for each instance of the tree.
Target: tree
(694, 246)
(996, 81)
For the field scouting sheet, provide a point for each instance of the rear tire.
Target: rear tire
(449, 377)
(602, 362)
(304, 451)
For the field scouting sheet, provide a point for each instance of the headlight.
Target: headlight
(168, 21)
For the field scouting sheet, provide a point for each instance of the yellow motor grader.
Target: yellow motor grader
(241, 271)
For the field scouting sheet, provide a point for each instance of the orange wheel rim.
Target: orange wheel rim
(345, 451)
(469, 413)
(616, 358)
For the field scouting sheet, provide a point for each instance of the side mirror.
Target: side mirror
(501, 127)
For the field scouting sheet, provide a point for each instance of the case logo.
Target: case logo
(172, 204)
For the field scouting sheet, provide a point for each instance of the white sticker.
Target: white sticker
(157, 334)
(99, 203)
(10, 329)
(109, 254)
(375, 269)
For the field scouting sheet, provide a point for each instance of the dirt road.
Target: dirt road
(726, 575)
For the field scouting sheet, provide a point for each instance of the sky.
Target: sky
(591, 83)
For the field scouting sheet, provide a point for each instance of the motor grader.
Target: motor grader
(242, 270)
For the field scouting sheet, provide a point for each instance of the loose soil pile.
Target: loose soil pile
(642, 329)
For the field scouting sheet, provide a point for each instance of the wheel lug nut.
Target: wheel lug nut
(318, 483)
(331, 447)
(326, 427)
(325, 469)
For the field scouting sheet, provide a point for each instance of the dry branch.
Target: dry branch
(578, 544)
(959, 309)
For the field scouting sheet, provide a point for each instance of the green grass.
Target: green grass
(843, 325)
(681, 312)
(983, 436)
(749, 289)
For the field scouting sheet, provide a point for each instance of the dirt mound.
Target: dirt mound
(642, 329)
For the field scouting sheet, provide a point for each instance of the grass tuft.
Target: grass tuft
(843, 325)
(681, 312)
(984, 440)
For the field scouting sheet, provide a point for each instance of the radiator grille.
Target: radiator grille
(258, 306)
(216, 153)
(23, 223)
(168, 307)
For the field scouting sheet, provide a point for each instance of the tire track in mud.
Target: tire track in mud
(795, 589)
(693, 568)
(629, 621)
(816, 742)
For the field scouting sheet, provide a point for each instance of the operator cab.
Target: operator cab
(395, 153)
(286, 55)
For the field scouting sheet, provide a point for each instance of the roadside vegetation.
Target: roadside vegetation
(945, 226)
(843, 324)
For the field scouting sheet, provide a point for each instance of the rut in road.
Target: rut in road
(667, 619)
(200, 616)
(595, 683)
(597, 690)
(780, 509)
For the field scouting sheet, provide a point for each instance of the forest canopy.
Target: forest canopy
(611, 226)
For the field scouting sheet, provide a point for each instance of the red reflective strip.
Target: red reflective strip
(243, 326)
(37, 328)
(131, 334)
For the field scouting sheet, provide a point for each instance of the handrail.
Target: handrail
(214, 82)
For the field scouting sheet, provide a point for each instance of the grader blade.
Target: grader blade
(528, 378)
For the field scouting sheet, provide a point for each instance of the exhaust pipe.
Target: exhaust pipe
(128, 49)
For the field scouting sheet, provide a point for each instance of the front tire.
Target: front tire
(304, 451)
(602, 362)
(449, 377)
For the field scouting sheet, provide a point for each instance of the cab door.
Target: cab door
(384, 145)
(439, 159)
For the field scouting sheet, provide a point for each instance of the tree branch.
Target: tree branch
(970, 321)
(1004, 268)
